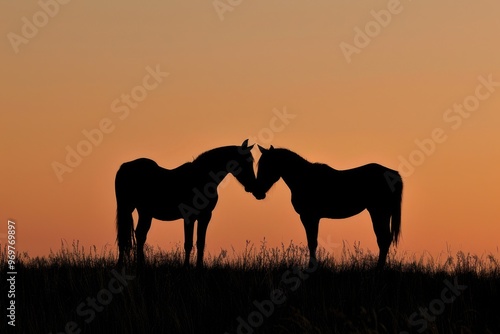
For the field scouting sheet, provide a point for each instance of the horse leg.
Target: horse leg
(201, 233)
(381, 226)
(188, 239)
(311, 226)
(140, 236)
(125, 230)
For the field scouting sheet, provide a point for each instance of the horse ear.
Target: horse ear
(245, 144)
(261, 149)
(271, 148)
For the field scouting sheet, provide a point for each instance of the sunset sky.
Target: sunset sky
(412, 85)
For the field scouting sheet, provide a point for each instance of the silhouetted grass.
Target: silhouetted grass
(342, 295)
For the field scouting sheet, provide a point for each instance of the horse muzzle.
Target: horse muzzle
(259, 195)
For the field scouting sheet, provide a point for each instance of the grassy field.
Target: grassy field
(261, 290)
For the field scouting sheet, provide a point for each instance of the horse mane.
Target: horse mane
(322, 165)
(292, 158)
(285, 153)
(208, 154)
(223, 151)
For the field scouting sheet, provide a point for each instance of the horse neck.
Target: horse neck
(214, 163)
(293, 167)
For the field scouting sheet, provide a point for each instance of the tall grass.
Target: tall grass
(344, 294)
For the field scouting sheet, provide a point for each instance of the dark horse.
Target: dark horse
(319, 191)
(188, 192)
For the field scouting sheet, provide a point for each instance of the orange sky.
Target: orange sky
(229, 68)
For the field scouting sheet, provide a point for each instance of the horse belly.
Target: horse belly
(162, 205)
(174, 207)
(167, 214)
(328, 206)
(343, 212)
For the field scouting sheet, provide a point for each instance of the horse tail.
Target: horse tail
(396, 208)
(124, 208)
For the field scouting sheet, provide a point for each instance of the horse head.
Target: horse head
(267, 174)
(243, 170)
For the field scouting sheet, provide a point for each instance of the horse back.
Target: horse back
(364, 182)
(148, 182)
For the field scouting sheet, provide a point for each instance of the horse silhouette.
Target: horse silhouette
(188, 192)
(319, 191)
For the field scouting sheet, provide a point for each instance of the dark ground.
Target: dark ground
(263, 291)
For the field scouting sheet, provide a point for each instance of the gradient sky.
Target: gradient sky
(229, 73)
